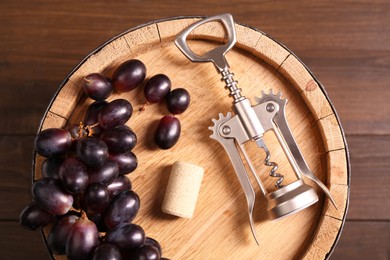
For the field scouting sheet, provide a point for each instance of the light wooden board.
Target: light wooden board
(220, 228)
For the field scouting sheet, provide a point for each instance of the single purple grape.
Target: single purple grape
(126, 236)
(129, 75)
(74, 175)
(97, 86)
(52, 142)
(106, 251)
(92, 151)
(34, 217)
(58, 203)
(121, 183)
(178, 101)
(152, 242)
(96, 198)
(119, 140)
(83, 238)
(157, 88)
(104, 174)
(58, 234)
(116, 113)
(168, 132)
(127, 162)
(145, 252)
(122, 209)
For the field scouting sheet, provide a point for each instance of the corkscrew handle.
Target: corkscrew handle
(216, 55)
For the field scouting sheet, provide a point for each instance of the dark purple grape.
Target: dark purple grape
(51, 167)
(82, 239)
(127, 162)
(58, 234)
(145, 252)
(168, 132)
(157, 88)
(119, 140)
(98, 219)
(92, 151)
(33, 217)
(116, 113)
(126, 236)
(53, 141)
(50, 196)
(104, 174)
(178, 101)
(129, 75)
(92, 114)
(97, 87)
(96, 198)
(106, 251)
(152, 242)
(74, 175)
(121, 183)
(123, 209)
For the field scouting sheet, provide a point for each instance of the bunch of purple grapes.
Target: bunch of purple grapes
(83, 190)
(158, 89)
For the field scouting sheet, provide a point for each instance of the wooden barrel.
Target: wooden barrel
(220, 228)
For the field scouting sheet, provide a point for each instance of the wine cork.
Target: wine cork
(183, 189)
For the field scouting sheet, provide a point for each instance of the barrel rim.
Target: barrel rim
(94, 51)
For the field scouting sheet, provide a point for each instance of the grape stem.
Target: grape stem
(143, 108)
(87, 80)
(88, 130)
(81, 128)
(83, 214)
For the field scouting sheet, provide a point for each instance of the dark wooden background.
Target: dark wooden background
(346, 44)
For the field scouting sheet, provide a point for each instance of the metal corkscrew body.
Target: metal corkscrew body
(249, 124)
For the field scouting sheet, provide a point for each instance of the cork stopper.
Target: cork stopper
(183, 189)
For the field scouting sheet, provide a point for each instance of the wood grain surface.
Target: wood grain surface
(217, 230)
(345, 44)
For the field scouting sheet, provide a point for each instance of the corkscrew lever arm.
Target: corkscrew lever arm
(287, 142)
(295, 157)
(230, 147)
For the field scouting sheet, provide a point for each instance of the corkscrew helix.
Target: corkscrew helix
(250, 123)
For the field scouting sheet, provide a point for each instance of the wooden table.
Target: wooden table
(345, 44)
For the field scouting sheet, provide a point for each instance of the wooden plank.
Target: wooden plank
(295, 71)
(21, 243)
(270, 51)
(23, 104)
(247, 38)
(53, 121)
(324, 238)
(331, 133)
(337, 164)
(363, 240)
(340, 195)
(16, 177)
(370, 182)
(346, 75)
(169, 29)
